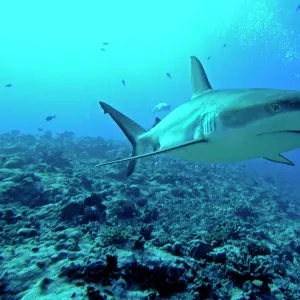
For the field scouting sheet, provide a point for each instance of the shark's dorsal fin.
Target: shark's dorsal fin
(199, 79)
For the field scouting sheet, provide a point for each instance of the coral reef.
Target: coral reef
(173, 230)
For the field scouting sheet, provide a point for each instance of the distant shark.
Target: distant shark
(161, 106)
(218, 125)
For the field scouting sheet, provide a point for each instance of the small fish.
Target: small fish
(298, 7)
(123, 82)
(8, 85)
(102, 49)
(40, 129)
(168, 74)
(208, 58)
(49, 118)
(105, 43)
(224, 45)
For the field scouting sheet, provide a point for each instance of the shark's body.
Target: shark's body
(220, 125)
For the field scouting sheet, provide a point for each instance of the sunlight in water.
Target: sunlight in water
(64, 32)
(87, 48)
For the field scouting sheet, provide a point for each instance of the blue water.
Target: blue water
(50, 52)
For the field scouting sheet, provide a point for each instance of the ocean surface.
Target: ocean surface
(174, 229)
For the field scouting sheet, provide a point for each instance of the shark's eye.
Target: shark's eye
(275, 108)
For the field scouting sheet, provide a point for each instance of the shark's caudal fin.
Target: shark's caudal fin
(133, 132)
(200, 83)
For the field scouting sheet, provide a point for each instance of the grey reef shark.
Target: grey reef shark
(218, 125)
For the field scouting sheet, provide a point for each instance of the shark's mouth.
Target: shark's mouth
(294, 131)
(283, 131)
(289, 131)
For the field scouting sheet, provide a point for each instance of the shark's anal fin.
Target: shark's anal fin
(279, 158)
(200, 83)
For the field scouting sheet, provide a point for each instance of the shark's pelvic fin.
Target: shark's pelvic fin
(183, 146)
(200, 83)
(133, 132)
(279, 158)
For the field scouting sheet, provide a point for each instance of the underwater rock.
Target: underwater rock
(66, 135)
(85, 209)
(199, 249)
(138, 243)
(297, 248)
(258, 249)
(178, 249)
(70, 245)
(46, 136)
(94, 294)
(10, 216)
(15, 163)
(245, 211)
(167, 248)
(101, 270)
(146, 231)
(164, 278)
(27, 232)
(74, 271)
(25, 188)
(116, 235)
(94, 210)
(45, 283)
(149, 214)
(122, 209)
(218, 255)
(98, 151)
(3, 282)
(117, 175)
(72, 209)
(13, 149)
(92, 214)
(257, 283)
(96, 200)
(141, 202)
(133, 190)
(56, 159)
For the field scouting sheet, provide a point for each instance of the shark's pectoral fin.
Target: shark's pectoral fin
(279, 158)
(184, 146)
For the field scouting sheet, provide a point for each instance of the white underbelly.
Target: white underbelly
(237, 149)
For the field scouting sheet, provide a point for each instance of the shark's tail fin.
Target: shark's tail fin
(133, 132)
